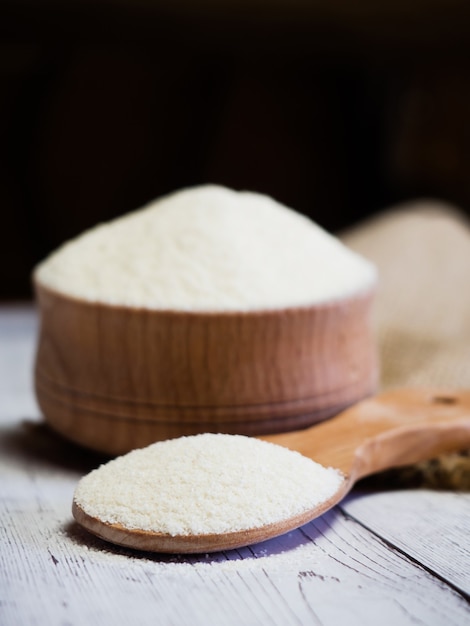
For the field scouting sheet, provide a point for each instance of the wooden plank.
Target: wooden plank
(18, 326)
(432, 527)
(337, 573)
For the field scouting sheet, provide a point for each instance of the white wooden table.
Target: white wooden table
(390, 558)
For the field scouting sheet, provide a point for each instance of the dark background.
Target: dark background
(335, 108)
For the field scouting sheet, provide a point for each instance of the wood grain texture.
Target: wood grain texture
(115, 378)
(397, 427)
(424, 524)
(331, 571)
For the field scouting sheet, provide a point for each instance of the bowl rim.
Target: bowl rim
(368, 292)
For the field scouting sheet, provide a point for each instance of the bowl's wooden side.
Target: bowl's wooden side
(115, 378)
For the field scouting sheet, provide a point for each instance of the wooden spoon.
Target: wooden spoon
(393, 429)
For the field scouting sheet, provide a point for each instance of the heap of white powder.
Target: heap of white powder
(210, 483)
(207, 249)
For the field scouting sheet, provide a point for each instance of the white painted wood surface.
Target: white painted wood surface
(393, 558)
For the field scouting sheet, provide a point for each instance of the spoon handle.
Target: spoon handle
(394, 428)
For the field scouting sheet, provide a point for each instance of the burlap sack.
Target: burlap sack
(422, 251)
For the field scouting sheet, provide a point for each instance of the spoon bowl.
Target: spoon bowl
(393, 429)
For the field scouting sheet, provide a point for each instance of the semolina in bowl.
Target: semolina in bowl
(209, 310)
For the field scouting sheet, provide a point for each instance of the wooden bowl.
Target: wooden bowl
(115, 378)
